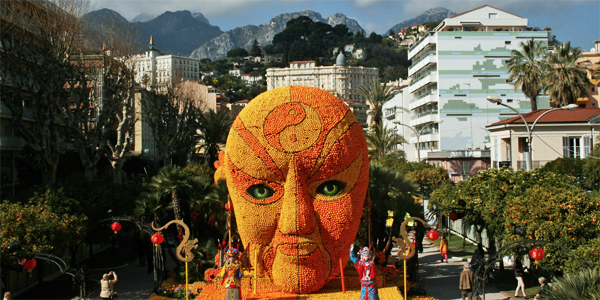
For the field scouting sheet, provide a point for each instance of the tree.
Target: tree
(566, 79)
(583, 284)
(569, 166)
(376, 95)
(429, 179)
(214, 128)
(101, 101)
(389, 191)
(591, 168)
(172, 117)
(255, 51)
(36, 227)
(238, 52)
(38, 43)
(526, 69)
(383, 141)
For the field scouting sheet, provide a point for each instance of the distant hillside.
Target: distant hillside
(243, 37)
(174, 32)
(434, 14)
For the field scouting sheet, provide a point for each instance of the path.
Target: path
(441, 280)
(134, 282)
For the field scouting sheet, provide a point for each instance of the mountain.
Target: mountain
(434, 14)
(177, 32)
(243, 37)
(143, 17)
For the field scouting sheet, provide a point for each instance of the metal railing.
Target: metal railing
(428, 34)
(423, 75)
(423, 114)
(429, 92)
(424, 56)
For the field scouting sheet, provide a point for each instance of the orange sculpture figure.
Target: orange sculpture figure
(297, 171)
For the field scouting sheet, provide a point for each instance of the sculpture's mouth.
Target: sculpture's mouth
(297, 249)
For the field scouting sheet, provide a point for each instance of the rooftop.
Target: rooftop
(558, 116)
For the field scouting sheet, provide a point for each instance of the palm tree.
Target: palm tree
(526, 68)
(584, 284)
(376, 95)
(150, 204)
(171, 181)
(566, 79)
(214, 128)
(382, 141)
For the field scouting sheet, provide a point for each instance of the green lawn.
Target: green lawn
(455, 247)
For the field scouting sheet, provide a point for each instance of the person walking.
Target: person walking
(519, 273)
(466, 282)
(444, 248)
(107, 290)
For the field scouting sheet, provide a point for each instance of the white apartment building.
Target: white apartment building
(396, 113)
(340, 80)
(454, 68)
(153, 69)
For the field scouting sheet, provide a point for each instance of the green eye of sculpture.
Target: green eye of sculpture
(331, 188)
(260, 191)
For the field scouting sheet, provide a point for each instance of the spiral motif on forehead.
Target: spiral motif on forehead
(292, 127)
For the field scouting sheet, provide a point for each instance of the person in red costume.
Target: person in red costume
(367, 272)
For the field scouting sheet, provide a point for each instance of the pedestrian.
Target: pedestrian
(148, 250)
(466, 282)
(544, 286)
(138, 244)
(519, 273)
(444, 248)
(107, 290)
(477, 258)
(7, 296)
(420, 235)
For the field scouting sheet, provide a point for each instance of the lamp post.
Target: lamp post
(528, 160)
(418, 133)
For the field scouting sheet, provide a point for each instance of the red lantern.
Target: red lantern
(229, 206)
(537, 254)
(29, 264)
(453, 216)
(157, 239)
(433, 234)
(115, 227)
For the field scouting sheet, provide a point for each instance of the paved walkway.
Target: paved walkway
(134, 282)
(441, 280)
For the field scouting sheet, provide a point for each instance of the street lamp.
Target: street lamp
(528, 161)
(418, 135)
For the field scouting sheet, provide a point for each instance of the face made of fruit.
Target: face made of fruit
(296, 166)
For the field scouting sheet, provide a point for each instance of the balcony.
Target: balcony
(426, 40)
(424, 100)
(424, 118)
(427, 59)
(422, 80)
(426, 137)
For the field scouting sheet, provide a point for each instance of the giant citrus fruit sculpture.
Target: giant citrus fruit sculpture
(297, 170)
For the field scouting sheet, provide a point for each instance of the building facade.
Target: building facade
(340, 80)
(455, 67)
(559, 133)
(155, 70)
(592, 60)
(396, 113)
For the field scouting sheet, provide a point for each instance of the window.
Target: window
(466, 166)
(493, 16)
(506, 42)
(571, 146)
(582, 105)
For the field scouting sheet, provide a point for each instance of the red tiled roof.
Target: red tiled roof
(558, 116)
(476, 8)
(242, 101)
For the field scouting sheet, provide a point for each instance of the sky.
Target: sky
(577, 21)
